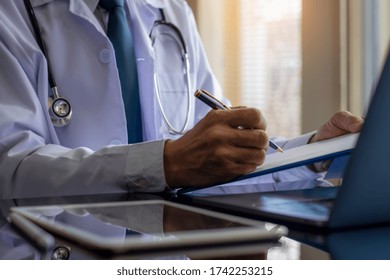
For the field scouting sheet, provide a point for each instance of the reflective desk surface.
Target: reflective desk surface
(118, 230)
(367, 243)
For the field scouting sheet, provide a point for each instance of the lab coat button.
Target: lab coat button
(105, 56)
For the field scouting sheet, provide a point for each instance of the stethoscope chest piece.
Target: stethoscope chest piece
(60, 111)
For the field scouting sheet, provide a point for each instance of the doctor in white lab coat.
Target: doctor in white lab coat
(91, 154)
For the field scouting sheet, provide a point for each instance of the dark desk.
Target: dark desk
(302, 242)
(369, 243)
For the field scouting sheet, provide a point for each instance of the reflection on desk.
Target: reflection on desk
(369, 243)
(254, 187)
(148, 221)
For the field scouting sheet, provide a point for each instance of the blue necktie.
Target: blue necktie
(120, 35)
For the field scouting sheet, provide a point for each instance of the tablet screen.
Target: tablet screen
(143, 225)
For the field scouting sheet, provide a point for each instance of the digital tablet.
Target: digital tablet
(144, 226)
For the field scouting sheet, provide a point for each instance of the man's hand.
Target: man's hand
(340, 123)
(222, 146)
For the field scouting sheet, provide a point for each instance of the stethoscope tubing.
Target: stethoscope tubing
(62, 117)
(60, 109)
(186, 60)
(41, 44)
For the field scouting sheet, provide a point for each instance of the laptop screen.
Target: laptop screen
(364, 197)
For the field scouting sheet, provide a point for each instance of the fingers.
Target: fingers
(216, 150)
(249, 138)
(240, 117)
(241, 146)
(252, 157)
(340, 123)
(241, 128)
(346, 122)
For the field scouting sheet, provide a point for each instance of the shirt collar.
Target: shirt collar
(159, 4)
(92, 4)
(36, 3)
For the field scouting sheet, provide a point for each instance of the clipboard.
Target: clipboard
(306, 154)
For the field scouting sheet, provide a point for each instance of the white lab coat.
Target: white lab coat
(90, 154)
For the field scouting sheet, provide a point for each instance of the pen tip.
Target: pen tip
(280, 150)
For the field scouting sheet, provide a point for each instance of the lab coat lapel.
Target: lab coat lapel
(143, 18)
(85, 9)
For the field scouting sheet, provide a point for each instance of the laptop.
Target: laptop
(362, 199)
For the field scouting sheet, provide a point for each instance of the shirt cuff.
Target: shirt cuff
(145, 167)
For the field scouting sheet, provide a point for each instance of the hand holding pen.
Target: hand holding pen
(215, 104)
(214, 151)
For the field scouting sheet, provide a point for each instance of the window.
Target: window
(254, 47)
(271, 62)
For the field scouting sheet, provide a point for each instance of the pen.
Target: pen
(215, 104)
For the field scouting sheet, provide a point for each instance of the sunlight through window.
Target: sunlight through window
(271, 62)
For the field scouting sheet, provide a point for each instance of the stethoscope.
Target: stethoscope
(60, 109)
(178, 37)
